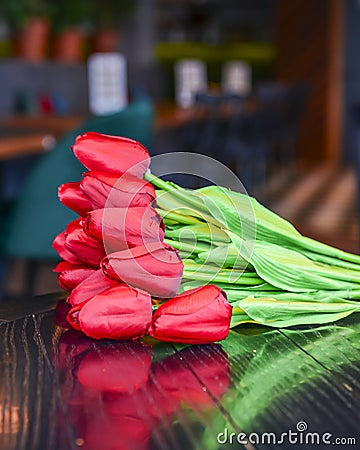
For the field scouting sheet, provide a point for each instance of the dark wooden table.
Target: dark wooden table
(60, 390)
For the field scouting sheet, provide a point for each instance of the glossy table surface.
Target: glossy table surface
(60, 390)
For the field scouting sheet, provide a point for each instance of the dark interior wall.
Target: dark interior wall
(351, 76)
(302, 56)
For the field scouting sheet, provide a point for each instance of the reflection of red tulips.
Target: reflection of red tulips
(111, 154)
(156, 268)
(121, 228)
(197, 316)
(116, 433)
(116, 398)
(183, 377)
(120, 312)
(113, 368)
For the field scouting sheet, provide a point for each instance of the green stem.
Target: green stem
(188, 275)
(198, 248)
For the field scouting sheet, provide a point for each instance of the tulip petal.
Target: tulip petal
(125, 182)
(85, 248)
(59, 245)
(156, 268)
(71, 195)
(90, 286)
(73, 275)
(73, 317)
(124, 192)
(199, 316)
(112, 154)
(121, 228)
(120, 312)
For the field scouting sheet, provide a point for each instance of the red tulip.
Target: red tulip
(120, 312)
(71, 246)
(70, 275)
(92, 285)
(156, 268)
(59, 245)
(112, 154)
(198, 316)
(113, 191)
(71, 195)
(121, 228)
(85, 248)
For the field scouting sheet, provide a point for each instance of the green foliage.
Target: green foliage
(110, 13)
(70, 13)
(272, 274)
(17, 12)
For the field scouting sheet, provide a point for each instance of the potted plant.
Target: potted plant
(30, 23)
(70, 21)
(107, 19)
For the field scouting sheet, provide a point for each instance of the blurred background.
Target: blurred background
(271, 88)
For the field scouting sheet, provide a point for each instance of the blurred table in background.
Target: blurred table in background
(25, 135)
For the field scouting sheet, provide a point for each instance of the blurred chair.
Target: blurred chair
(38, 216)
(286, 104)
(246, 147)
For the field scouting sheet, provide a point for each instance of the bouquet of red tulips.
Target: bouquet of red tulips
(122, 277)
(185, 265)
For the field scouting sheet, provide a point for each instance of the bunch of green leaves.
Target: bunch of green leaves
(271, 273)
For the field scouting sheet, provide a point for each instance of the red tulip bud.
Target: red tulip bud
(156, 268)
(198, 316)
(121, 228)
(59, 245)
(113, 191)
(70, 275)
(92, 285)
(120, 312)
(112, 154)
(71, 195)
(85, 248)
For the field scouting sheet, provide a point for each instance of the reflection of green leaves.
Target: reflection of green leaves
(269, 370)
